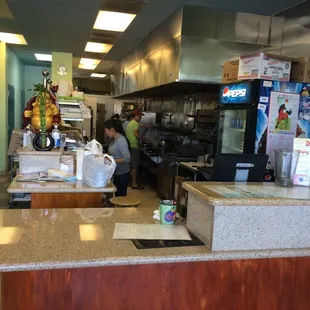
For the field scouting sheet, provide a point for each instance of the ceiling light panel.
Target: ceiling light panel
(88, 63)
(87, 67)
(12, 38)
(113, 21)
(98, 47)
(98, 75)
(43, 57)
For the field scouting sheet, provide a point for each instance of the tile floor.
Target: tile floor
(148, 196)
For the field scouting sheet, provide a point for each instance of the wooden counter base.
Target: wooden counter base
(66, 200)
(264, 284)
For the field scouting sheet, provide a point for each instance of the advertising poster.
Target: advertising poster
(303, 128)
(282, 122)
(265, 90)
(302, 176)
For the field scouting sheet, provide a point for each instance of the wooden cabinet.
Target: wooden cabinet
(261, 284)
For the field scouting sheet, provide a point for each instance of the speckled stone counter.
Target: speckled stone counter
(253, 216)
(50, 195)
(76, 238)
(57, 187)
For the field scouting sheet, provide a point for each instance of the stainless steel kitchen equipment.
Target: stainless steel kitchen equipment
(206, 129)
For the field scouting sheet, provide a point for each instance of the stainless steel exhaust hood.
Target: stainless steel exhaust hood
(191, 46)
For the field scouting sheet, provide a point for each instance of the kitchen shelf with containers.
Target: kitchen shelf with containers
(73, 109)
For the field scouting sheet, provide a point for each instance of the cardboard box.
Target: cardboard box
(301, 70)
(264, 66)
(230, 71)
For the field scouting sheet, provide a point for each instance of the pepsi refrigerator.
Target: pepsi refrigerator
(260, 116)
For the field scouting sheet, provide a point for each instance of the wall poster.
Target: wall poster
(282, 122)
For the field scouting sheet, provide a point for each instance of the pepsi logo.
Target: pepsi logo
(234, 93)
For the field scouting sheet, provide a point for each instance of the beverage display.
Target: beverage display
(232, 131)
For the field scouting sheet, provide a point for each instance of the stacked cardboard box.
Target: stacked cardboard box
(257, 66)
(301, 70)
(230, 71)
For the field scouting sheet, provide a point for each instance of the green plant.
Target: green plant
(41, 93)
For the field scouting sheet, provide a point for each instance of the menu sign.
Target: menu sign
(302, 175)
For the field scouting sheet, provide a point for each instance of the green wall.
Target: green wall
(3, 108)
(15, 77)
(11, 72)
(61, 59)
(33, 75)
(14, 72)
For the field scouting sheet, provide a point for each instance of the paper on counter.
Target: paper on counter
(150, 232)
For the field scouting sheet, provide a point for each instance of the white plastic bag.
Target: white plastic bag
(98, 170)
(93, 147)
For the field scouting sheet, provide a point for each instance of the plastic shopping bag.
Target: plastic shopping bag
(98, 170)
(93, 147)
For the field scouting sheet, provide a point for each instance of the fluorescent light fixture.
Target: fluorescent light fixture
(12, 38)
(88, 63)
(43, 57)
(113, 21)
(87, 67)
(98, 47)
(98, 75)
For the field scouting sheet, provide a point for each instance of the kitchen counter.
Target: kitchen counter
(67, 259)
(76, 238)
(57, 187)
(192, 166)
(49, 195)
(249, 216)
(249, 194)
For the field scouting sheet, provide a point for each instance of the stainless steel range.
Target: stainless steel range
(207, 129)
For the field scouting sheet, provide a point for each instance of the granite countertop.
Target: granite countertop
(75, 238)
(57, 187)
(31, 151)
(191, 165)
(249, 194)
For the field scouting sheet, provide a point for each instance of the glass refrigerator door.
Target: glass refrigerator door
(232, 131)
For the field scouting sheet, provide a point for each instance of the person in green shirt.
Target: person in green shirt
(132, 133)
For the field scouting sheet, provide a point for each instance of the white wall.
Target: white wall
(33, 75)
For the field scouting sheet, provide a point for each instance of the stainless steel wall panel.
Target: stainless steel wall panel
(193, 43)
(202, 59)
